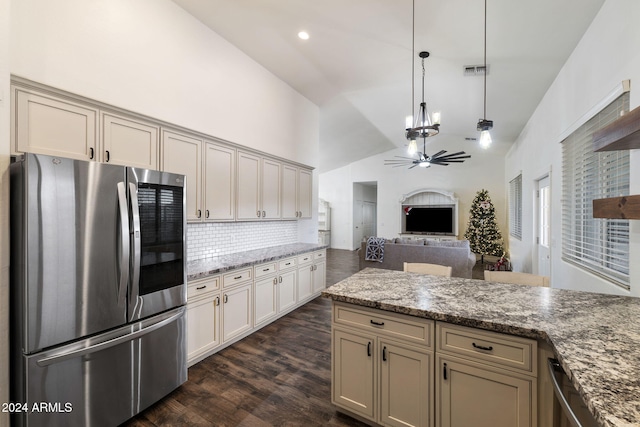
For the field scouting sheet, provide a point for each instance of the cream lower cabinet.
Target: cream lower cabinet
(203, 318)
(274, 290)
(305, 277)
(319, 271)
(237, 303)
(484, 379)
(382, 366)
(473, 394)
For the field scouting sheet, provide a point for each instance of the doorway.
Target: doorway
(543, 226)
(365, 208)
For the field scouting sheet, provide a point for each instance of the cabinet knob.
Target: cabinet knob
(264, 214)
(258, 214)
(280, 279)
(199, 213)
(226, 298)
(108, 156)
(369, 349)
(206, 213)
(275, 280)
(384, 353)
(91, 153)
(444, 371)
(217, 301)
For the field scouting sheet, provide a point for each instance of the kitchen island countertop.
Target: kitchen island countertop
(595, 337)
(214, 265)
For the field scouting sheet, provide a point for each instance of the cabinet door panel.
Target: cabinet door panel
(271, 188)
(265, 305)
(220, 182)
(353, 385)
(129, 143)
(474, 395)
(248, 191)
(319, 281)
(50, 126)
(236, 312)
(203, 326)
(182, 154)
(305, 277)
(406, 386)
(289, 192)
(304, 193)
(287, 290)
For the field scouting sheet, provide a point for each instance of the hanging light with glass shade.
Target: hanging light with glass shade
(484, 125)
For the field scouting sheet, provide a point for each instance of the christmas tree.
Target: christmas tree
(482, 232)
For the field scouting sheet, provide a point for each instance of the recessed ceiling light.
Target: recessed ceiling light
(303, 35)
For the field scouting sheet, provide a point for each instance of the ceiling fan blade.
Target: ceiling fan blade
(453, 157)
(440, 164)
(439, 153)
(411, 167)
(453, 154)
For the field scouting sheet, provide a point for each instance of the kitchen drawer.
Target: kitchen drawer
(411, 329)
(500, 350)
(202, 287)
(319, 255)
(305, 258)
(236, 276)
(265, 269)
(287, 263)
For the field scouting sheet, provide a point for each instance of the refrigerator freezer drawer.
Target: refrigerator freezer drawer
(105, 380)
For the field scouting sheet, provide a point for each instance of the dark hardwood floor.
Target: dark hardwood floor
(278, 376)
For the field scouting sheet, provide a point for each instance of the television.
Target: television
(431, 219)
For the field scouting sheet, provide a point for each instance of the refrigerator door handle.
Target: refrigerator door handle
(135, 279)
(124, 243)
(66, 355)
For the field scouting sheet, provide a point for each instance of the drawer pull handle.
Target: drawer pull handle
(288, 263)
(237, 277)
(373, 322)
(481, 347)
(199, 288)
(266, 269)
(445, 371)
(384, 353)
(369, 349)
(217, 301)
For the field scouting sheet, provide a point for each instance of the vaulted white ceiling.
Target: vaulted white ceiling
(356, 66)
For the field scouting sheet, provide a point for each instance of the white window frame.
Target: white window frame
(515, 207)
(600, 246)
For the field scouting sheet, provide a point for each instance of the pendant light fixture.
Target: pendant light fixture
(485, 125)
(422, 125)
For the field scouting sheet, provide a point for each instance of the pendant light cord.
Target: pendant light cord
(485, 60)
(413, 60)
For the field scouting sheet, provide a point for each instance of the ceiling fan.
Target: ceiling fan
(425, 161)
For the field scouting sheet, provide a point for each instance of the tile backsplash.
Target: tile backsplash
(223, 238)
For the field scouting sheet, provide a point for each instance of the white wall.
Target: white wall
(607, 54)
(151, 57)
(485, 169)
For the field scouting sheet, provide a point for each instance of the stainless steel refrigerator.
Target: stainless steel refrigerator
(98, 287)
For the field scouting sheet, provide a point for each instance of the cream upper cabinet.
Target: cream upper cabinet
(270, 189)
(297, 187)
(289, 192)
(182, 154)
(129, 143)
(258, 190)
(220, 182)
(54, 126)
(248, 191)
(304, 193)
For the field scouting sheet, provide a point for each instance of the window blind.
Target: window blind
(515, 207)
(598, 245)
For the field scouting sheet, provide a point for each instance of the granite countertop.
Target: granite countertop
(209, 266)
(596, 337)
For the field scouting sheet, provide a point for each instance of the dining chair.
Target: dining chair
(424, 268)
(517, 278)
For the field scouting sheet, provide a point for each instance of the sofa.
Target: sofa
(455, 253)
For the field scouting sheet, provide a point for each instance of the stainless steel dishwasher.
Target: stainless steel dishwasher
(574, 412)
